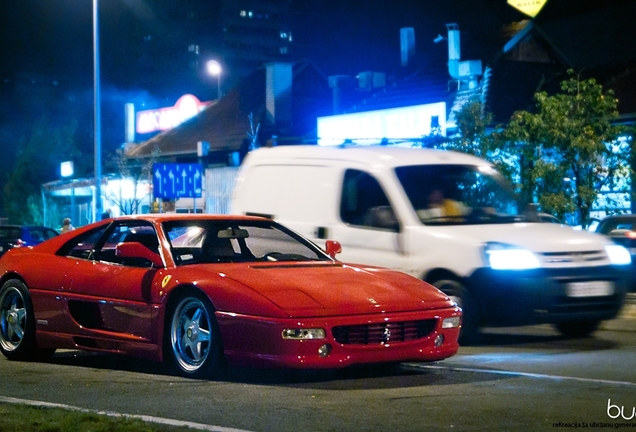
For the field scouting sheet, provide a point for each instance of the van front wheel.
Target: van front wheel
(578, 329)
(470, 309)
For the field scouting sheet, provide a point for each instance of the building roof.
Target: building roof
(225, 125)
(426, 85)
(529, 56)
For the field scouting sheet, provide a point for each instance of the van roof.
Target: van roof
(385, 155)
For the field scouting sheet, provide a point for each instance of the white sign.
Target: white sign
(371, 127)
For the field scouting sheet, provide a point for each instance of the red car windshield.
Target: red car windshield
(204, 241)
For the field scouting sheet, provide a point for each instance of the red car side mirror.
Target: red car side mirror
(137, 250)
(332, 248)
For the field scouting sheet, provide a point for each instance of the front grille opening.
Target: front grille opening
(569, 305)
(573, 257)
(369, 334)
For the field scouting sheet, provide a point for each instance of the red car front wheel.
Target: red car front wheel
(194, 337)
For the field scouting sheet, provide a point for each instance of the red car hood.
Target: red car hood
(335, 289)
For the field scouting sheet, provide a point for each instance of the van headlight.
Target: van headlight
(501, 256)
(618, 255)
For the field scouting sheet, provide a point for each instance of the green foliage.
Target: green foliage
(36, 419)
(561, 156)
(473, 137)
(569, 149)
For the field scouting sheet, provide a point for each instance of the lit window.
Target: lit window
(283, 35)
(243, 13)
(250, 14)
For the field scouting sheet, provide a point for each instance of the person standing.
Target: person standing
(66, 225)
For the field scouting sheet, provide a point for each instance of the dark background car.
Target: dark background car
(23, 235)
(622, 230)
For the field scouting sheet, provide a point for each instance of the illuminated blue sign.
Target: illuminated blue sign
(177, 180)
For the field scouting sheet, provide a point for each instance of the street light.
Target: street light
(67, 171)
(214, 68)
(97, 113)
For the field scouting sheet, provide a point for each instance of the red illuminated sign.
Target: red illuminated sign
(166, 118)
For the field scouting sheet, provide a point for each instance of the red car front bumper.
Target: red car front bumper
(258, 341)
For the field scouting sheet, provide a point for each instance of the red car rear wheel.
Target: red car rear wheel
(17, 323)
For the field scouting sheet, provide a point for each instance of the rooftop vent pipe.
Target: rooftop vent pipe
(454, 50)
(407, 45)
(465, 72)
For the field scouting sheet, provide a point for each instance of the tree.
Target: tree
(569, 150)
(133, 173)
(475, 135)
(37, 162)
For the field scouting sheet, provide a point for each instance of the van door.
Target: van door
(371, 231)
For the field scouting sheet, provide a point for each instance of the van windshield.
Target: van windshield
(459, 195)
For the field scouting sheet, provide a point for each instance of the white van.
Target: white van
(478, 244)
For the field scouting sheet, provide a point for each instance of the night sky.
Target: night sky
(53, 38)
(341, 36)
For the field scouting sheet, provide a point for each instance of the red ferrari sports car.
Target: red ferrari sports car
(199, 292)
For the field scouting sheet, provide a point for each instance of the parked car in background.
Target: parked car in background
(197, 291)
(12, 236)
(622, 230)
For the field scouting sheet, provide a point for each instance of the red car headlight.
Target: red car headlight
(451, 322)
(303, 333)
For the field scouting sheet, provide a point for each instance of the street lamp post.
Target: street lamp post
(214, 68)
(97, 113)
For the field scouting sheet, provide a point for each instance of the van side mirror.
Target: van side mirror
(532, 212)
(332, 248)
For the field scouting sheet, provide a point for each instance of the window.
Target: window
(124, 232)
(204, 241)
(364, 203)
(10, 233)
(41, 234)
(82, 246)
(459, 194)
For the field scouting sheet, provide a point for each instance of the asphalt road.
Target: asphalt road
(515, 379)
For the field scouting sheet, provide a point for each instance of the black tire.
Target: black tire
(17, 324)
(577, 329)
(192, 344)
(470, 309)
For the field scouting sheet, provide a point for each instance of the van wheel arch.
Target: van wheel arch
(458, 290)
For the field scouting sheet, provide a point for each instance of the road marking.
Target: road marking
(523, 374)
(149, 419)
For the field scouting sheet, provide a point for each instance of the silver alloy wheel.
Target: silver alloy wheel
(12, 318)
(191, 334)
